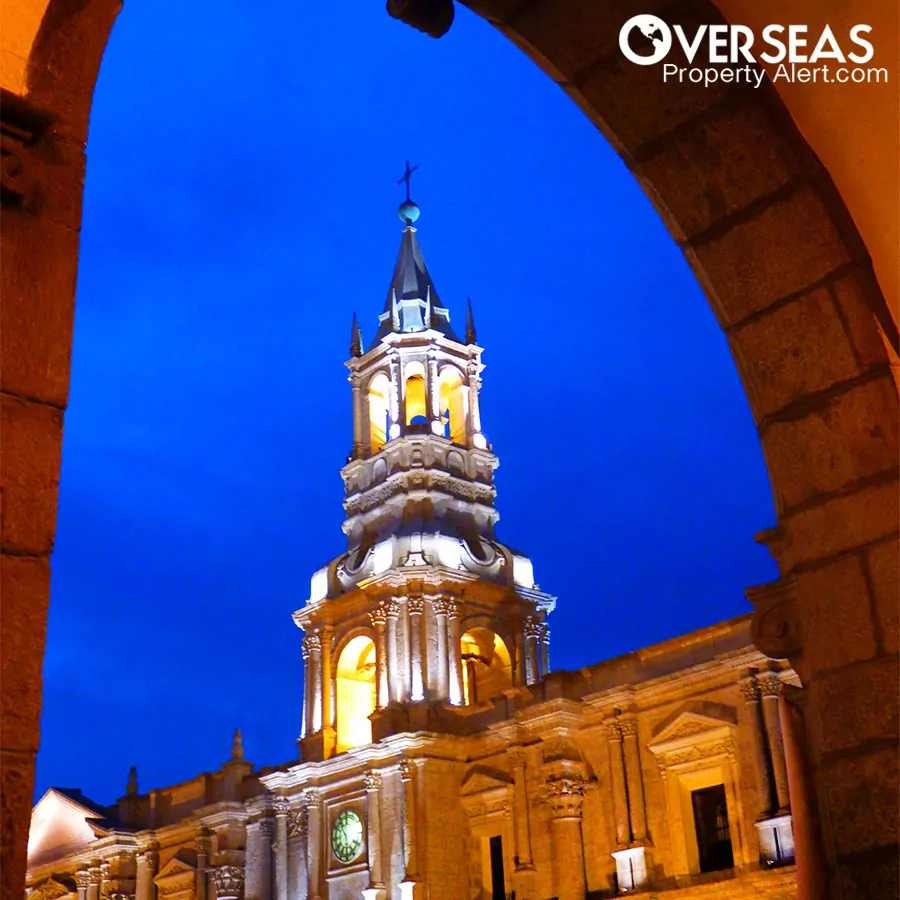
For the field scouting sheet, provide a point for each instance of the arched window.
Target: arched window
(454, 404)
(487, 669)
(416, 399)
(355, 692)
(379, 394)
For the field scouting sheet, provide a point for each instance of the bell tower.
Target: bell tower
(425, 612)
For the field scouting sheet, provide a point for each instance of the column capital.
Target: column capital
(203, 842)
(313, 643)
(378, 617)
(565, 796)
(281, 806)
(407, 770)
(96, 874)
(613, 729)
(415, 606)
(265, 828)
(749, 689)
(532, 627)
(628, 726)
(769, 684)
(372, 781)
(516, 757)
(82, 879)
(440, 605)
(392, 608)
(229, 882)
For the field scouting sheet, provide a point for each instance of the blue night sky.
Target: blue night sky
(240, 205)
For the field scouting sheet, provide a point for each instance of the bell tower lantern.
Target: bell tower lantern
(425, 611)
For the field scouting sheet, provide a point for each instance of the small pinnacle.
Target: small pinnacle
(470, 324)
(237, 748)
(131, 788)
(355, 338)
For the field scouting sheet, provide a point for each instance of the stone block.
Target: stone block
(792, 351)
(843, 523)
(852, 295)
(884, 575)
(37, 313)
(836, 615)
(703, 174)
(16, 787)
(787, 247)
(854, 436)
(871, 876)
(32, 448)
(859, 703)
(863, 795)
(25, 589)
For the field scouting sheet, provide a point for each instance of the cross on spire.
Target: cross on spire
(406, 177)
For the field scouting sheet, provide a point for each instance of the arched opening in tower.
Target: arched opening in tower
(416, 408)
(454, 404)
(487, 668)
(379, 409)
(355, 693)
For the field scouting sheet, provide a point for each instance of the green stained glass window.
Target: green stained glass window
(347, 836)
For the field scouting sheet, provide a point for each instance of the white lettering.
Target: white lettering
(831, 51)
(769, 33)
(855, 32)
(739, 47)
(718, 43)
(690, 48)
(796, 42)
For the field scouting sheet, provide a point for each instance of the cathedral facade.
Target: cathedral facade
(440, 756)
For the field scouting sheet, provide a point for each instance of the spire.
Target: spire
(355, 338)
(131, 789)
(470, 324)
(237, 747)
(412, 302)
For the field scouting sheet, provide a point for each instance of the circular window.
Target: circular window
(347, 836)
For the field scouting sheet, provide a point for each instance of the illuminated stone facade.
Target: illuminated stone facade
(440, 756)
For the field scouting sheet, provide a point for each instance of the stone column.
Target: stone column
(315, 844)
(532, 629)
(633, 778)
(521, 832)
(410, 843)
(151, 867)
(433, 388)
(373, 819)
(474, 411)
(258, 865)
(545, 649)
(770, 687)
(359, 438)
(392, 610)
(397, 406)
(327, 636)
(315, 667)
(456, 677)
(415, 606)
(95, 877)
(752, 694)
(378, 617)
(282, 809)
(565, 797)
(298, 835)
(203, 845)
(307, 688)
(83, 879)
(441, 608)
(229, 882)
(617, 773)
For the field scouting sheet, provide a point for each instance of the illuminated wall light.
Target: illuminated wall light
(479, 441)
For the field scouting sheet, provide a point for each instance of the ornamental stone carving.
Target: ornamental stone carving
(612, 729)
(372, 781)
(281, 806)
(266, 829)
(298, 822)
(378, 617)
(565, 796)
(203, 844)
(749, 689)
(769, 685)
(532, 627)
(516, 757)
(440, 605)
(229, 881)
(121, 895)
(416, 606)
(407, 770)
(313, 642)
(628, 727)
(392, 608)
(82, 879)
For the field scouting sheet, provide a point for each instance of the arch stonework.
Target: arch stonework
(780, 260)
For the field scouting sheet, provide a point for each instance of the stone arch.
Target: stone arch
(780, 260)
(488, 662)
(353, 674)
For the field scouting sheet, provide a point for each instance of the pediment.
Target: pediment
(481, 779)
(62, 824)
(178, 869)
(690, 727)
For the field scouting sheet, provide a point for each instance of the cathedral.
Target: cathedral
(440, 756)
